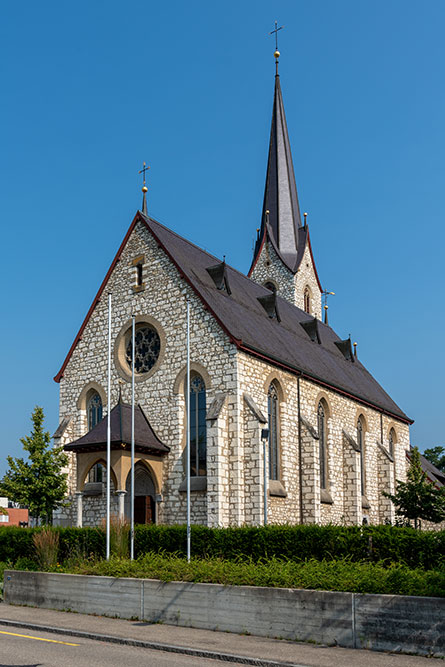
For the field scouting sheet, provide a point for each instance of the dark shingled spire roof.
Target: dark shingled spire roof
(283, 223)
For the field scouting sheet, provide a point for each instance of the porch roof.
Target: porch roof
(145, 439)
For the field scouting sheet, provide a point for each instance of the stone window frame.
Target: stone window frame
(120, 344)
(392, 429)
(193, 375)
(275, 386)
(89, 398)
(197, 483)
(138, 266)
(361, 442)
(323, 443)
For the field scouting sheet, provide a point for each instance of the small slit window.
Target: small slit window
(139, 275)
(138, 267)
(307, 300)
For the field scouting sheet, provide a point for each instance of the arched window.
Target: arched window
(307, 300)
(271, 286)
(361, 444)
(94, 410)
(96, 473)
(322, 441)
(198, 431)
(274, 416)
(391, 441)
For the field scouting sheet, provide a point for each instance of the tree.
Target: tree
(418, 498)
(38, 482)
(436, 456)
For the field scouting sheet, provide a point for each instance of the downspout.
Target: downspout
(381, 427)
(300, 453)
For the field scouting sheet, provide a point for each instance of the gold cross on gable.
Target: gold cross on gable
(276, 34)
(143, 170)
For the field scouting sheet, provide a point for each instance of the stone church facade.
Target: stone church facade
(261, 358)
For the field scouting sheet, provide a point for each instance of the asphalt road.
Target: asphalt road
(39, 649)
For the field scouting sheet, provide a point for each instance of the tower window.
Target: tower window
(271, 286)
(307, 300)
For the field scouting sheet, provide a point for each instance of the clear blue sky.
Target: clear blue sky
(91, 89)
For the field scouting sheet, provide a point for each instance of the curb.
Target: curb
(156, 646)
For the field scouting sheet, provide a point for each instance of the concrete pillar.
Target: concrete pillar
(79, 495)
(121, 504)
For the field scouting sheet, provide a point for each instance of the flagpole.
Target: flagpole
(187, 395)
(133, 328)
(108, 430)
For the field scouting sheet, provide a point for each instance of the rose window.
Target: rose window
(147, 345)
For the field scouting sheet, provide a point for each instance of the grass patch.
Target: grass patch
(338, 575)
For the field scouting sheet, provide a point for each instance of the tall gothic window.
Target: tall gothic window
(307, 300)
(273, 411)
(322, 441)
(94, 410)
(392, 439)
(361, 444)
(198, 431)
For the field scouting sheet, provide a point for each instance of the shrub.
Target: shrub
(46, 544)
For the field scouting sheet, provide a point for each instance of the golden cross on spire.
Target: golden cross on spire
(276, 33)
(277, 53)
(142, 171)
(144, 188)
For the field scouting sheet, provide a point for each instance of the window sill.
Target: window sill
(196, 484)
(325, 497)
(138, 288)
(277, 489)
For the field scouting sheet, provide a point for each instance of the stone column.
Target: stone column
(79, 495)
(121, 504)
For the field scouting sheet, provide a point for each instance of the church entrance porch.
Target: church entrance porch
(90, 452)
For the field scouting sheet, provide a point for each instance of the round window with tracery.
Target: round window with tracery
(147, 345)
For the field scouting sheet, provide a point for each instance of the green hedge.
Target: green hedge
(370, 543)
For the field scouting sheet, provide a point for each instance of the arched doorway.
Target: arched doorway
(144, 495)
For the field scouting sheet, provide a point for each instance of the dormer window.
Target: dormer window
(307, 300)
(269, 303)
(138, 267)
(218, 274)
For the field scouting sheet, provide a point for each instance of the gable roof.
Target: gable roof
(243, 318)
(145, 439)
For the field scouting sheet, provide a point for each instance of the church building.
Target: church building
(262, 357)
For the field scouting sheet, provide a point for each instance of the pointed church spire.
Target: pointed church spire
(283, 221)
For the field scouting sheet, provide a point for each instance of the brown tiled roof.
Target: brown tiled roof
(145, 438)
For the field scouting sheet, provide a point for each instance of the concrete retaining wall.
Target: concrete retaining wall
(380, 622)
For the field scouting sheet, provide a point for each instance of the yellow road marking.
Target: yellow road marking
(40, 639)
